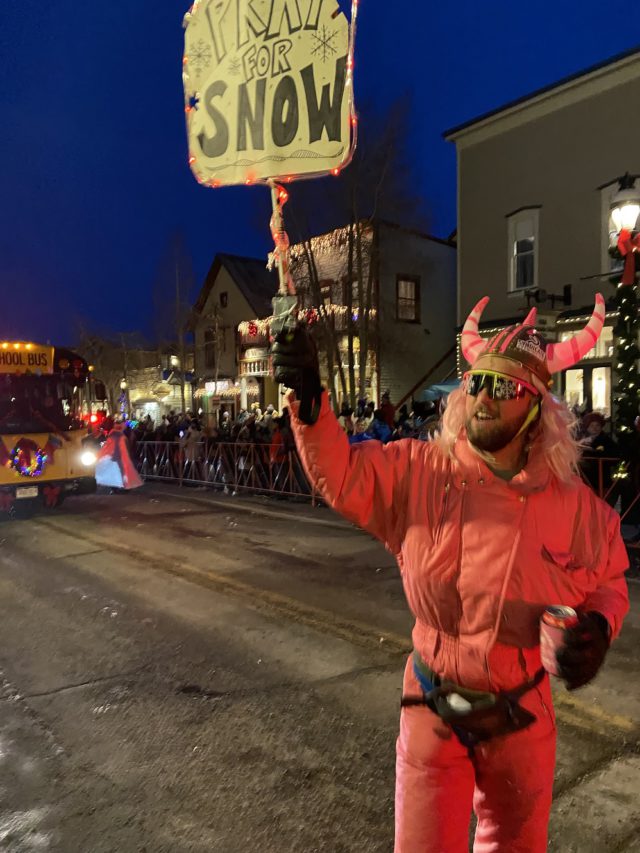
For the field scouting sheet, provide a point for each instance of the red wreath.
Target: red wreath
(628, 245)
(27, 459)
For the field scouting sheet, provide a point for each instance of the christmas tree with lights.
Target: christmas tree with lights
(625, 248)
(626, 330)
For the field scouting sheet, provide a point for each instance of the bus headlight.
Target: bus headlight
(88, 458)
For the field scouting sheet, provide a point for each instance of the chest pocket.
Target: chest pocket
(569, 568)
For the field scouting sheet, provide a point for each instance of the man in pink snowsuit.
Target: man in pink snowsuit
(490, 525)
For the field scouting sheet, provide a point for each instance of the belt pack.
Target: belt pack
(474, 715)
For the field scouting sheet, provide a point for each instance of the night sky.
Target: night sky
(93, 172)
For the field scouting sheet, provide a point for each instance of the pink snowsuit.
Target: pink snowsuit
(480, 560)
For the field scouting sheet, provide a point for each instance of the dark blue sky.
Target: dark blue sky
(93, 172)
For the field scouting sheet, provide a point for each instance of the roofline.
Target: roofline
(375, 223)
(416, 232)
(214, 269)
(241, 258)
(449, 135)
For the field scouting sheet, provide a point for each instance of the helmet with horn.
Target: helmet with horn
(525, 348)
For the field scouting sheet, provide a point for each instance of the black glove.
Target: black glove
(584, 650)
(294, 356)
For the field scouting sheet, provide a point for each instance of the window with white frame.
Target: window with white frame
(522, 230)
(326, 291)
(355, 293)
(408, 298)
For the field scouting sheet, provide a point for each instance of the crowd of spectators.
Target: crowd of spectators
(255, 426)
(386, 423)
(252, 426)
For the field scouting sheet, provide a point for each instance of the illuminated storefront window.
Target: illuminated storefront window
(601, 390)
(603, 348)
(588, 386)
(574, 388)
(589, 389)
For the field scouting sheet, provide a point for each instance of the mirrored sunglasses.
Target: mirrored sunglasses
(499, 386)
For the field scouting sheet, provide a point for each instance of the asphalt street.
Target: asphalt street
(184, 671)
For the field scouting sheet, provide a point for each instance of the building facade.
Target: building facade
(228, 377)
(416, 309)
(535, 183)
(411, 278)
(411, 317)
(156, 385)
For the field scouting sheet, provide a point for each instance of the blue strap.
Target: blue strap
(422, 679)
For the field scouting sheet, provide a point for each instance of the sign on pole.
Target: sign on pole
(268, 89)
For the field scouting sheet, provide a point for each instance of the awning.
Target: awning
(434, 392)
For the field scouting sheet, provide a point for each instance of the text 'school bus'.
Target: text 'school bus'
(42, 457)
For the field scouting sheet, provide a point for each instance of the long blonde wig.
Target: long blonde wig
(553, 434)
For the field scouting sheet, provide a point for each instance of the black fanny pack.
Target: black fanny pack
(474, 716)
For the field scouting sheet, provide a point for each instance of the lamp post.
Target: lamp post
(123, 401)
(625, 246)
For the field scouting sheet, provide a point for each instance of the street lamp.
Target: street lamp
(625, 247)
(625, 205)
(123, 400)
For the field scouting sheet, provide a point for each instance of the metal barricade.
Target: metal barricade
(231, 467)
(243, 467)
(610, 485)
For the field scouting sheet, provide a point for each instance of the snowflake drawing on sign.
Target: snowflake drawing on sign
(235, 67)
(324, 47)
(200, 57)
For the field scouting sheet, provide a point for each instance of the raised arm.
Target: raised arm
(367, 482)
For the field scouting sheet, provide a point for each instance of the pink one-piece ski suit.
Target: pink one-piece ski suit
(480, 560)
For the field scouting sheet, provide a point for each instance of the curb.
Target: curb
(233, 503)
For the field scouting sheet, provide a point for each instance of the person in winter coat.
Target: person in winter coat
(597, 445)
(388, 410)
(490, 525)
(114, 467)
(379, 428)
(360, 432)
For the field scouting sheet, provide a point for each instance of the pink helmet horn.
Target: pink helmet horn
(470, 341)
(565, 354)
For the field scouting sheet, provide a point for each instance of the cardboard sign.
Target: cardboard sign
(268, 89)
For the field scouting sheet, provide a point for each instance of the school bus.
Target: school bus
(42, 455)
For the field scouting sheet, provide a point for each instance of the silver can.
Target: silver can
(554, 622)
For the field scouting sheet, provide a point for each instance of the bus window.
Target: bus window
(31, 404)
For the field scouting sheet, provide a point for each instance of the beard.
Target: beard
(490, 436)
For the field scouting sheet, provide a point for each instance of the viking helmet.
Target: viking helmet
(526, 347)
